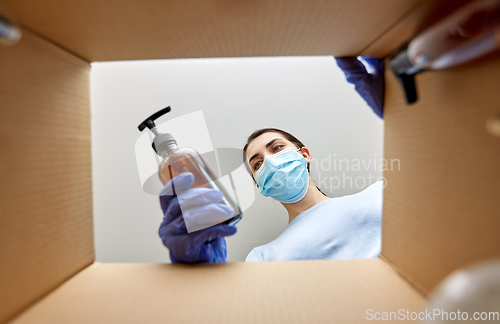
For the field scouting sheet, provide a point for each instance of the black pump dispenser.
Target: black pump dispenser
(150, 121)
(162, 141)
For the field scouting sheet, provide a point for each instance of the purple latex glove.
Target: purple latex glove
(371, 86)
(206, 245)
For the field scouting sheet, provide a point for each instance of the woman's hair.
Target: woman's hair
(294, 140)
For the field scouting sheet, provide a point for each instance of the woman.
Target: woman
(319, 227)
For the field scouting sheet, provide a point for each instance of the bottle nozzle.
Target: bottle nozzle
(162, 141)
(149, 122)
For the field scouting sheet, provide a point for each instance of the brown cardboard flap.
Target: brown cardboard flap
(401, 32)
(423, 15)
(46, 232)
(442, 208)
(321, 291)
(131, 30)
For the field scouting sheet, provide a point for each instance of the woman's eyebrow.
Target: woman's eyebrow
(253, 157)
(272, 141)
(267, 145)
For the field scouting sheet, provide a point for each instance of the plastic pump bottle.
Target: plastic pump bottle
(177, 160)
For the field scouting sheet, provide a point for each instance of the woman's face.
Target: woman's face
(267, 144)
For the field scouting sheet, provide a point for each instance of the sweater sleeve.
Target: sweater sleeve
(253, 256)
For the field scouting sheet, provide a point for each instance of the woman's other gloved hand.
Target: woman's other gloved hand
(178, 201)
(371, 86)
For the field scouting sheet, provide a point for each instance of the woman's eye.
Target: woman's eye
(277, 148)
(256, 165)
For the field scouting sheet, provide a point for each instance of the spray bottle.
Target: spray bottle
(176, 160)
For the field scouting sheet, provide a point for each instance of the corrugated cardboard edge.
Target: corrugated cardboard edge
(400, 32)
(441, 208)
(126, 30)
(313, 291)
(46, 228)
(410, 282)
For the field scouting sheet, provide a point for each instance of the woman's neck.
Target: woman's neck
(312, 197)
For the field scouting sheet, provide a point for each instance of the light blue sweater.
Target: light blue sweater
(347, 227)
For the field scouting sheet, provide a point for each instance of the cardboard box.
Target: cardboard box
(440, 209)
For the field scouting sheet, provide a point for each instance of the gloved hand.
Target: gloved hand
(371, 86)
(206, 245)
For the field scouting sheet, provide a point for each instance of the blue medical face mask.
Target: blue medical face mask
(283, 176)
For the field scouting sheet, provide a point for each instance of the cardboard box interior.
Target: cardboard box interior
(130, 30)
(440, 209)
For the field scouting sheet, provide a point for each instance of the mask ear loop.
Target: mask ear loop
(300, 148)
